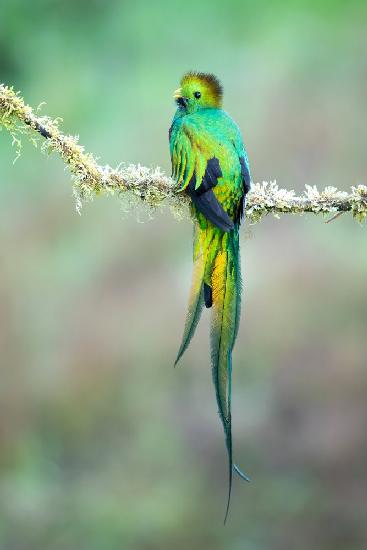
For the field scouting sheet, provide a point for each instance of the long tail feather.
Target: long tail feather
(216, 282)
(196, 300)
(226, 289)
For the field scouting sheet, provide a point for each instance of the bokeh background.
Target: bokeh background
(103, 445)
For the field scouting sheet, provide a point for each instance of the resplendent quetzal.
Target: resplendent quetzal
(210, 164)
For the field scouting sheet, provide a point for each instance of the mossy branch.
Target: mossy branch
(152, 186)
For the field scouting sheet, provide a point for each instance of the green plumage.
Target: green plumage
(196, 300)
(209, 163)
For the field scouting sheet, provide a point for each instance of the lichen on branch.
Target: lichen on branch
(152, 186)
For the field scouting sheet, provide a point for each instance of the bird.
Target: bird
(210, 165)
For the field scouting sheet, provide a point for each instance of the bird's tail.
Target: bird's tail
(196, 299)
(217, 284)
(206, 241)
(226, 295)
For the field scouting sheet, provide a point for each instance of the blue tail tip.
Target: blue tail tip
(241, 473)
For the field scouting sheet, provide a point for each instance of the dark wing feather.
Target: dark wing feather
(245, 173)
(211, 175)
(208, 204)
(246, 183)
(205, 200)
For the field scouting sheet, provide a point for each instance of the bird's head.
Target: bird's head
(198, 91)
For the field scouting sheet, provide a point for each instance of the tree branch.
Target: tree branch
(152, 186)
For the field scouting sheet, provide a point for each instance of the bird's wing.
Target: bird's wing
(197, 170)
(190, 154)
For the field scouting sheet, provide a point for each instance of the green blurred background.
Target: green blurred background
(103, 445)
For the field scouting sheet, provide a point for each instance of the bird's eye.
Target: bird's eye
(197, 95)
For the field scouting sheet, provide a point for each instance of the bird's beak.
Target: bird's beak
(178, 97)
(177, 93)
